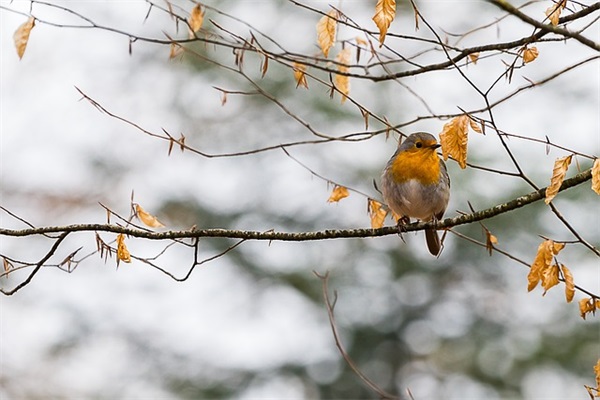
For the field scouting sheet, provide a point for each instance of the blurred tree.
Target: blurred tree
(263, 148)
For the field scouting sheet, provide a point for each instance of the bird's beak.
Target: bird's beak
(435, 146)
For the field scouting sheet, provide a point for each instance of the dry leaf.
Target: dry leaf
(530, 54)
(176, 50)
(474, 57)
(558, 175)
(385, 11)
(475, 126)
(377, 214)
(122, 252)
(550, 278)
(342, 82)
(147, 218)
(338, 193)
(597, 374)
(569, 285)
(21, 36)
(596, 176)
(360, 41)
(553, 12)
(300, 75)
(490, 241)
(546, 250)
(587, 305)
(326, 30)
(196, 19)
(454, 139)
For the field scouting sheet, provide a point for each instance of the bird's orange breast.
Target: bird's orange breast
(423, 166)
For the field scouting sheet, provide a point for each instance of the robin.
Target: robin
(415, 184)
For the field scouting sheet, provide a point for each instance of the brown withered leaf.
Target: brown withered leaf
(175, 50)
(475, 126)
(326, 31)
(546, 250)
(21, 36)
(530, 54)
(385, 12)
(490, 241)
(596, 176)
(550, 278)
(587, 305)
(558, 175)
(338, 193)
(360, 41)
(597, 375)
(474, 57)
(196, 19)
(377, 213)
(569, 284)
(553, 12)
(122, 252)
(300, 74)
(454, 138)
(342, 82)
(147, 218)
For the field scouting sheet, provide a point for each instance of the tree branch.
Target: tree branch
(304, 236)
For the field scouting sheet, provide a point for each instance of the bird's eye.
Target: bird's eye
(418, 145)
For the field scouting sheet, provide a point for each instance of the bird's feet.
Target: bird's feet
(402, 221)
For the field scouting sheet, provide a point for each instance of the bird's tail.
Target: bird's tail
(433, 241)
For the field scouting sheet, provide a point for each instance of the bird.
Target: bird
(415, 184)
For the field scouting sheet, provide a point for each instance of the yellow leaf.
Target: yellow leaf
(338, 193)
(21, 36)
(542, 261)
(557, 247)
(596, 176)
(586, 306)
(377, 214)
(490, 241)
(569, 284)
(300, 75)
(147, 218)
(196, 19)
(360, 41)
(597, 373)
(454, 139)
(475, 126)
(474, 57)
(326, 30)
(342, 82)
(553, 12)
(558, 175)
(550, 278)
(385, 11)
(176, 50)
(122, 252)
(530, 54)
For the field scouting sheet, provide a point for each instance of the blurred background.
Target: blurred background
(252, 324)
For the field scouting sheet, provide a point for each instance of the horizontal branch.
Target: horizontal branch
(303, 236)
